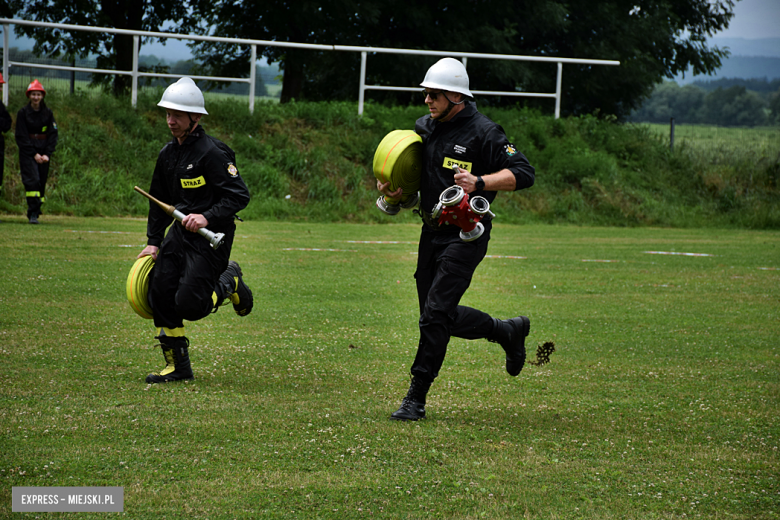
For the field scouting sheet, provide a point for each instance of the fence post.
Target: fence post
(362, 92)
(671, 134)
(6, 57)
(136, 50)
(252, 78)
(558, 83)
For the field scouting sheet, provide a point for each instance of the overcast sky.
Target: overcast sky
(753, 19)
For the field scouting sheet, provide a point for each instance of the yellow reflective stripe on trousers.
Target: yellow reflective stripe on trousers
(174, 333)
(32, 194)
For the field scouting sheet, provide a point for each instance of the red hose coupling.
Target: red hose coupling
(455, 208)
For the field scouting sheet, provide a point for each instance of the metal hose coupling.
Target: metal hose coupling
(455, 208)
(393, 209)
(386, 207)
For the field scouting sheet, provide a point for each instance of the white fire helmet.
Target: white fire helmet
(184, 95)
(448, 74)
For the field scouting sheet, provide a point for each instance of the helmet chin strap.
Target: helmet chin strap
(188, 131)
(450, 106)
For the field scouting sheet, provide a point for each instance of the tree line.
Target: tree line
(653, 40)
(726, 102)
(265, 75)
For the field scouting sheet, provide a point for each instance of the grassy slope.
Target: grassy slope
(320, 154)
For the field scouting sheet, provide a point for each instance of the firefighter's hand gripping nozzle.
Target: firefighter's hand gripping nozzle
(455, 207)
(215, 239)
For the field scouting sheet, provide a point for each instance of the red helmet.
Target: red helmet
(1, 79)
(35, 86)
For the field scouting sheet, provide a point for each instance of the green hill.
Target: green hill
(313, 161)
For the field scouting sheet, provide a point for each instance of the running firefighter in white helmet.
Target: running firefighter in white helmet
(456, 134)
(198, 175)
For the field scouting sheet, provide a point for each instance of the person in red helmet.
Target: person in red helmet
(36, 137)
(5, 125)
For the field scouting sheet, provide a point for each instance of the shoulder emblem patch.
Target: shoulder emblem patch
(232, 170)
(510, 149)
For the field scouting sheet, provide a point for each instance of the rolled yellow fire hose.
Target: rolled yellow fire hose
(398, 160)
(138, 286)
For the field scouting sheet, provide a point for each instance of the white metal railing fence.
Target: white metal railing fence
(464, 57)
(364, 51)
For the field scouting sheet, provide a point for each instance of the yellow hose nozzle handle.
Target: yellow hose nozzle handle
(215, 239)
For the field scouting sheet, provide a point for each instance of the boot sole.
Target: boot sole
(398, 418)
(164, 380)
(241, 309)
(402, 414)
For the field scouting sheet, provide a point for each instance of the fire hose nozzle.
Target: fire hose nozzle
(215, 239)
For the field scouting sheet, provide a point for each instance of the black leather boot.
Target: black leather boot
(231, 286)
(511, 334)
(177, 361)
(413, 405)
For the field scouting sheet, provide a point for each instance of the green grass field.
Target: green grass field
(711, 138)
(662, 400)
(320, 154)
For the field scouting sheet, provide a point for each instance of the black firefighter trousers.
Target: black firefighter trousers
(445, 266)
(34, 177)
(185, 276)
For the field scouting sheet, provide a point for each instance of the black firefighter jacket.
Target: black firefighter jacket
(199, 176)
(32, 126)
(5, 124)
(473, 142)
